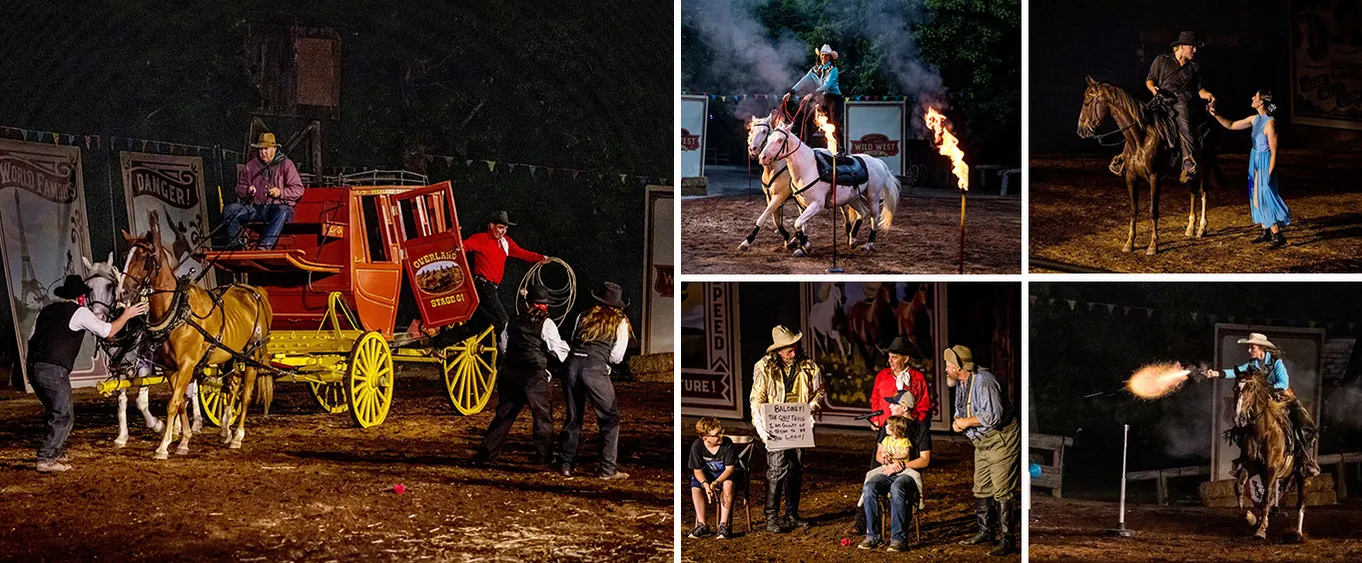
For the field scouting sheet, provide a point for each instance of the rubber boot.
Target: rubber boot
(1007, 529)
(985, 514)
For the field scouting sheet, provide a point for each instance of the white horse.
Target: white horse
(775, 185)
(822, 316)
(877, 198)
(104, 280)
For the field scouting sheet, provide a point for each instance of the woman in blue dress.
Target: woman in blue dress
(1269, 211)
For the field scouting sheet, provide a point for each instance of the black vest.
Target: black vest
(53, 341)
(525, 348)
(595, 350)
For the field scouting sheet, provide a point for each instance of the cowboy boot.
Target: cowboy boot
(1265, 237)
(858, 529)
(792, 519)
(984, 514)
(1118, 165)
(1007, 529)
(1278, 240)
(773, 492)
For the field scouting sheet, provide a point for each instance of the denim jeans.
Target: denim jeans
(275, 216)
(52, 384)
(590, 379)
(902, 490)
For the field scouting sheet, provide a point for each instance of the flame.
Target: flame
(948, 146)
(1156, 380)
(829, 129)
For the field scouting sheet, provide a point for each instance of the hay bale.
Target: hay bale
(655, 368)
(1318, 490)
(698, 185)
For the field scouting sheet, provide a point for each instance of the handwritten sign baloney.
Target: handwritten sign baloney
(788, 425)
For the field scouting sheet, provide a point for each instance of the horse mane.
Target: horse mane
(1120, 98)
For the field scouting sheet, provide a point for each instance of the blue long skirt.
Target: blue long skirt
(1269, 208)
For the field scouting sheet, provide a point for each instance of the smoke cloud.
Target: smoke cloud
(745, 58)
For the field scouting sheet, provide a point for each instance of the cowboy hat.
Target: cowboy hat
(72, 288)
(960, 357)
(782, 337)
(500, 218)
(903, 347)
(613, 295)
(1259, 339)
(827, 50)
(537, 294)
(266, 141)
(1187, 38)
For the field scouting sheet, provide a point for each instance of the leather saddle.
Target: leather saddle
(851, 170)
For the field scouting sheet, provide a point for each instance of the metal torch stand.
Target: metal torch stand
(1121, 529)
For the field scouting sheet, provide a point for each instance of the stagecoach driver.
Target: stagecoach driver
(784, 376)
(1176, 78)
(267, 188)
(1266, 357)
(52, 350)
(492, 247)
(982, 414)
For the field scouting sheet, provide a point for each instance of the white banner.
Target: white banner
(1326, 64)
(172, 186)
(877, 129)
(694, 120)
(788, 425)
(43, 236)
(711, 378)
(659, 283)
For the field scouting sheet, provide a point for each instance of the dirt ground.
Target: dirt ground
(1075, 530)
(833, 472)
(1080, 214)
(924, 239)
(312, 487)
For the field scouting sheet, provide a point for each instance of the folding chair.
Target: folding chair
(742, 479)
(886, 516)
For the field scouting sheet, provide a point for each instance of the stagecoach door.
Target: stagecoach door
(432, 254)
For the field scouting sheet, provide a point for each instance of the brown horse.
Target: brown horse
(1263, 433)
(182, 314)
(867, 318)
(1150, 154)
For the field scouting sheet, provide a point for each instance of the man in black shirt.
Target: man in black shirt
(1176, 78)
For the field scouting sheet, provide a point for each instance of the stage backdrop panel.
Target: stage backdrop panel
(694, 120)
(1326, 64)
(43, 236)
(877, 129)
(172, 186)
(711, 376)
(658, 281)
(1302, 350)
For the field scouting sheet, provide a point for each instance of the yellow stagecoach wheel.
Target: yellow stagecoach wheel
(330, 396)
(470, 369)
(213, 398)
(369, 380)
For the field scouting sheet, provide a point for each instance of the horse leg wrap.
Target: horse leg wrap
(873, 232)
(753, 235)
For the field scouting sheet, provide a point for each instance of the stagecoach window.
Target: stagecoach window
(373, 234)
(409, 227)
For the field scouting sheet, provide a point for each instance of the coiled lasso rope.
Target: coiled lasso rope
(563, 297)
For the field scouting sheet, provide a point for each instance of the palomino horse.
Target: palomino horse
(775, 185)
(182, 318)
(1263, 433)
(877, 198)
(868, 319)
(1150, 154)
(127, 355)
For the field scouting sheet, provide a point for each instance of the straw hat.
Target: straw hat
(782, 337)
(1259, 339)
(959, 356)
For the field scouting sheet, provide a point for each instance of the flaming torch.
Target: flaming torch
(949, 146)
(829, 128)
(1158, 379)
(820, 118)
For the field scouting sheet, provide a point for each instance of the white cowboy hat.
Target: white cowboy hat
(827, 50)
(782, 337)
(1259, 339)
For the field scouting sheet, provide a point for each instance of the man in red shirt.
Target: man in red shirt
(898, 377)
(492, 247)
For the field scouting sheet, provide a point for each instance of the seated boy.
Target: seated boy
(714, 461)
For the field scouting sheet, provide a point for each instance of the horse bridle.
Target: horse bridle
(1097, 99)
(152, 264)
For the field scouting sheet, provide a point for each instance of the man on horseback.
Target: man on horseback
(822, 80)
(1267, 358)
(1175, 80)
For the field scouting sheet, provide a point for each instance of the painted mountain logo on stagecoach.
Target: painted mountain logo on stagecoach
(175, 184)
(441, 276)
(51, 178)
(875, 144)
(689, 142)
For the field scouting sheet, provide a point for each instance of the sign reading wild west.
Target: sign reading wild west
(43, 235)
(876, 144)
(877, 129)
(689, 142)
(172, 186)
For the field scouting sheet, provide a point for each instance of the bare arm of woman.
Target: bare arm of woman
(1240, 125)
(1271, 131)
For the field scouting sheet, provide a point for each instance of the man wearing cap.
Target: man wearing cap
(899, 377)
(1176, 79)
(57, 336)
(783, 376)
(267, 188)
(599, 339)
(1266, 357)
(492, 247)
(822, 81)
(982, 414)
(530, 340)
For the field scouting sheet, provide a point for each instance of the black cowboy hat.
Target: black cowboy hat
(903, 347)
(1187, 38)
(72, 288)
(499, 218)
(537, 294)
(613, 295)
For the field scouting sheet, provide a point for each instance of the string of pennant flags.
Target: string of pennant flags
(1112, 309)
(533, 169)
(774, 97)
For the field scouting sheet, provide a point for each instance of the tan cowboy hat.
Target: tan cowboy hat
(959, 356)
(782, 337)
(827, 50)
(1259, 339)
(266, 141)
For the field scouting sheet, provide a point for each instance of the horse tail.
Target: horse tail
(889, 197)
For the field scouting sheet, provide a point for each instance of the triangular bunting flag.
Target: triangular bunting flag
(491, 165)
(548, 172)
(1148, 313)
(449, 161)
(468, 162)
(1110, 308)
(622, 177)
(56, 138)
(1194, 315)
(1071, 303)
(510, 167)
(1033, 300)
(532, 168)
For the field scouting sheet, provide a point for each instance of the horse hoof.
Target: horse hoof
(235, 445)
(159, 427)
(744, 245)
(183, 450)
(799, 253)
(868, 247)
(1262, 535)
(1189, 233)
(161, 455)
(1127, 248)
(197, 427)
(1252, 520)
(1151, 251)
(120, 443)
